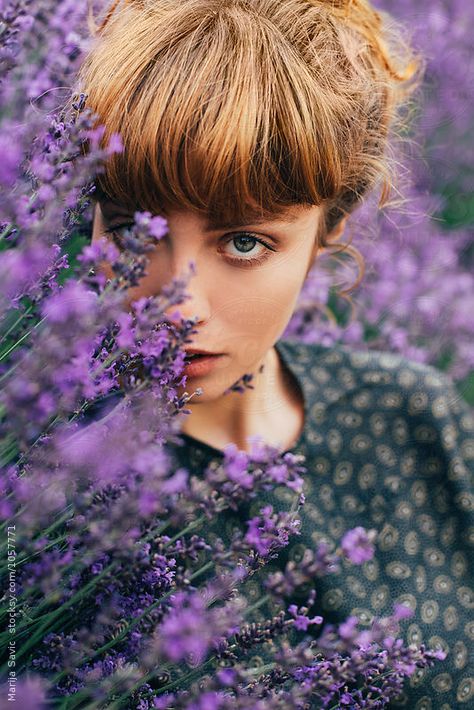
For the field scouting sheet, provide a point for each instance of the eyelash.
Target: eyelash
(240, 261)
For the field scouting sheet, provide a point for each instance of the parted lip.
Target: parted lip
(197, 351)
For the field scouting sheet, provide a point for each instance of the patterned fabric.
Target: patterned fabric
(389, 444)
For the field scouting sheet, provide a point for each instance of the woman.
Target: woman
(256, 127)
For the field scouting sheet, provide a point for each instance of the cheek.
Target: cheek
(256, 306)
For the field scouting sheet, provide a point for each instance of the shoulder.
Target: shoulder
(416, 385)
(416, 402)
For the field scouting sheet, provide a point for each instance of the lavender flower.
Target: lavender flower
(121, 594)
(357, 545)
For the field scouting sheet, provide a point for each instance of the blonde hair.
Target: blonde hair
(242, 108)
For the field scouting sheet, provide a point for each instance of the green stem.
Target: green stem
(133, 623)
(8, 453)
(53, 615)
(23, 559)
(23, 315)
(5, 231)
(145, 678)
(18, 342)
(372, 682)
(188, 678)
(82, 408)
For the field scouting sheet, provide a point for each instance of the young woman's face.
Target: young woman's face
(245, 288)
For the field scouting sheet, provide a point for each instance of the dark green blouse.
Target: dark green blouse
(389, 444)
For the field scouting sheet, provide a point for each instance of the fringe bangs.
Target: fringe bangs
(238, 109)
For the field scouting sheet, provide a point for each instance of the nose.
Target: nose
(196, 303)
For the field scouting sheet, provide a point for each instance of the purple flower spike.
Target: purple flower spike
(357, 545)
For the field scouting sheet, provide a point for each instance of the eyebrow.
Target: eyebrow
(213, 226)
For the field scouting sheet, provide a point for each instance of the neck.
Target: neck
(235, 416)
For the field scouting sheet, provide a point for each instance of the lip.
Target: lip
(202, 366)
(198, 351)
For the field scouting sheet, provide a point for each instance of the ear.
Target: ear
(334, 235)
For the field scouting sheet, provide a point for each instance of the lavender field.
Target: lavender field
(113, 595)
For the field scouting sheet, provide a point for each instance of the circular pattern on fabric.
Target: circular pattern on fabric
(343, 473)
(400, 431)
(411, 543)
(465, 690)
(426, 522)
(388, 537)
(360, 444)
(434, 557)
(417, 403)
(380, 597)
(390, 400)
(450, 618)
(371, 569)
(442, 682)
(321, 466)
(465, 501)
(448, 437)
(442, 584)
(460, 654)
(359, 359)
(385, 455)
(365, 616)
(320, 374)
(468, 536)
(469, 630)
(386, 445)
(425, 434)
(458, 564)
(404, 510)
(378, 424)
(467, 449)
(356, 586)
(417, 678)
(438, 642)
(457, 470)
(315, 438)
(429, 611)
(349, 419)
(448, 532)
(398, 570)
(326, 496)
(337, 526)
(439, 407)
(465, 596)
(406, 378)
(376, 377)
(419, 493)
(431, 467)
(332, 599)
(414, 634)
(334, 440)
(352, 505)
(408, 463)
(256, 662)
(318, 412)
(313, 513)
(367, 477)
(346, 377)
(296, 552)
(407, 599)
(362, 400)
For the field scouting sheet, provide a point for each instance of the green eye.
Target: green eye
(249, 240)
